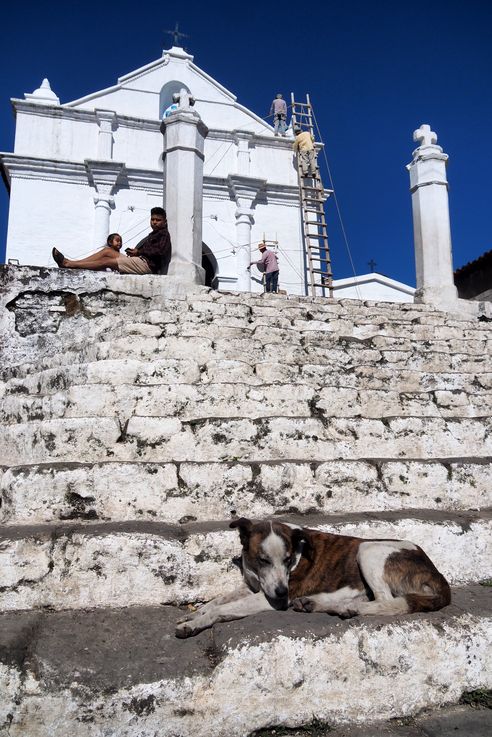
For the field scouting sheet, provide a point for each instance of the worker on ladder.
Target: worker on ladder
(304, 146)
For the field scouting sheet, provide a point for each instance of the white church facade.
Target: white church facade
(93, 166)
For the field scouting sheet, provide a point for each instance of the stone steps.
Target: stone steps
(176, 492)
(309, 438)
(41, 383)
(122, 672)
(150, 563)
(201, 401)
(137, 419)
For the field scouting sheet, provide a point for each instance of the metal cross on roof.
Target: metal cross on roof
(176, 34)
(372, 264)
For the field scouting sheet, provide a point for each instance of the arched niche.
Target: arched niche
(209, 263)
(167, 92)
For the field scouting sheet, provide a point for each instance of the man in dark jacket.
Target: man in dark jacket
(150, 256)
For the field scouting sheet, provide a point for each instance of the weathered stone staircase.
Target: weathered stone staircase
(137, 419)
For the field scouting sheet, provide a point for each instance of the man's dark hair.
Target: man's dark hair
(158, 211)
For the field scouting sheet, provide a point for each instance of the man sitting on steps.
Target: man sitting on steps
(150, 256)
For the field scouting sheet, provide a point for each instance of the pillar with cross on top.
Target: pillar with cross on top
(432, 231)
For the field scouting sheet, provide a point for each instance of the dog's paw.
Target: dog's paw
(347, 613)
(303, 604)
(184, 630)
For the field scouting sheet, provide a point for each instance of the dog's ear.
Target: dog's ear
(301, 542)
(245, 526)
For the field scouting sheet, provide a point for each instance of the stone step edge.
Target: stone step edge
(72, 465)
(180, 533)
(280, 668)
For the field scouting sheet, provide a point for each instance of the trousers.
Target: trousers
(308, 162)
(271, 281)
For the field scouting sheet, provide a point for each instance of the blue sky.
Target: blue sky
(375, 72)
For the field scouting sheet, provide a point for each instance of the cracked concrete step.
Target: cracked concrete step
(201, 401)
(178, 492)
(162, 371)
(132, 564)
(162, 439)
(94, 673)
(251, 350)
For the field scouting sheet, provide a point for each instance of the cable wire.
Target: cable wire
(335, 198)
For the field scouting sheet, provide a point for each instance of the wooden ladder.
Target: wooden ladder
(319, 276)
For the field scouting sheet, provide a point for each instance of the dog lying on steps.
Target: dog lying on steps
(284, 565)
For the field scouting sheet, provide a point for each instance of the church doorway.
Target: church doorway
(209, 263)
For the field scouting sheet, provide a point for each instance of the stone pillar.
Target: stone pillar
(106, 120)
(102, 214)
(432, 231)
(184, 137)
(245, 190)
(103, 176)
(243, 140)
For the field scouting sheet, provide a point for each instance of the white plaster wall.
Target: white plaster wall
(46, 132)
(138, 147)
(47, 213)
(274, 164)
(372, 289)
(220, 157)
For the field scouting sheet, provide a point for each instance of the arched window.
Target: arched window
(166, 95)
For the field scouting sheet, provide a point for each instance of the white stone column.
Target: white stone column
(245, 190)
(184, 137)
(106, 120)
(244, 221)
(103, 176)
(102, 214)
(432, 230)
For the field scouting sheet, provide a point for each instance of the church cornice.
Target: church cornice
(150, 180)
(146, 124)
(55, 170)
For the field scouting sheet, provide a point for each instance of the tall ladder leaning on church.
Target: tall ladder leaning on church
(312, 194)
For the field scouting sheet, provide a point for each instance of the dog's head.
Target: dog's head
(270, 551)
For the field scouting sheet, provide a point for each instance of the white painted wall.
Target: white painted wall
(374, 287)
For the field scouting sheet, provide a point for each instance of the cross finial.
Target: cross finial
(425, 136)
(176, 34)
(372, 264)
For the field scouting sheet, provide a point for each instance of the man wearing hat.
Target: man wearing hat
(268, 263)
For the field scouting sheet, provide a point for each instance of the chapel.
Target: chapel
(92, 166)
